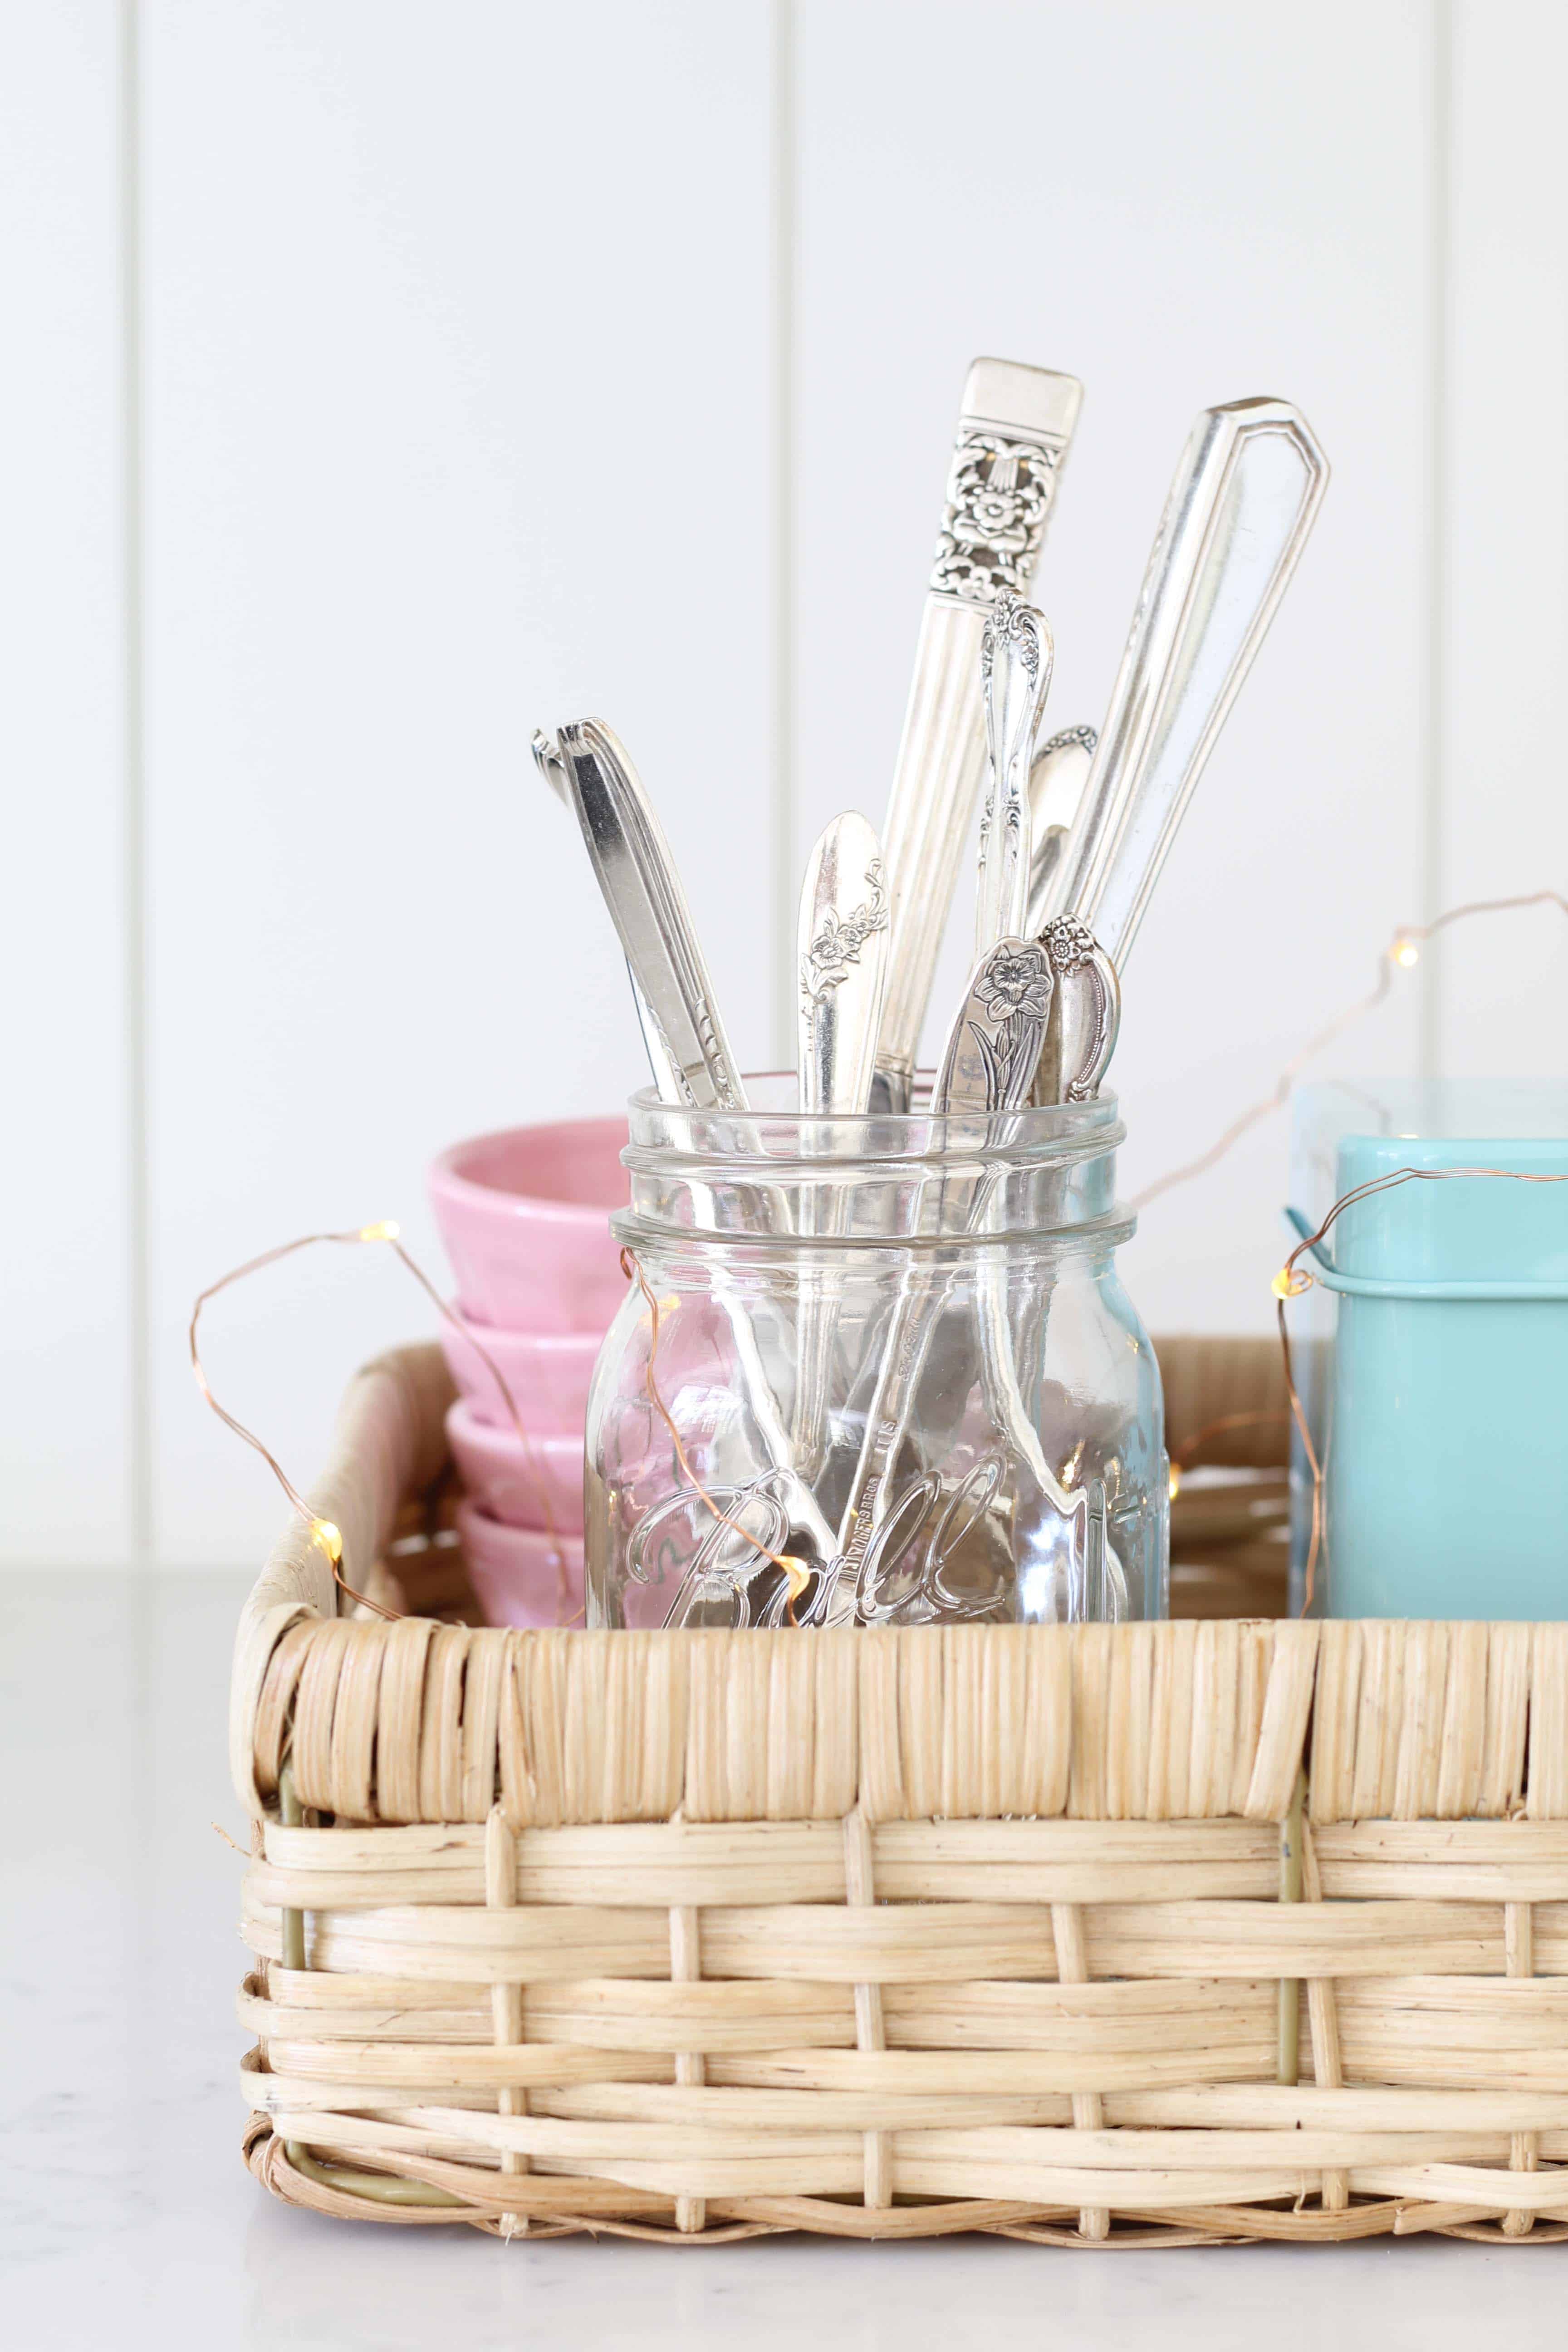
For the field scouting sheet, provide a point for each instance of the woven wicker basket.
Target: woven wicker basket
(1186, 1933)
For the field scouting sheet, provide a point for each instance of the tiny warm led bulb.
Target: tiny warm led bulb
(329, 1537)
(387, 1231)
(1406, 952)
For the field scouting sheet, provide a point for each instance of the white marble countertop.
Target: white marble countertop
(127, 2219)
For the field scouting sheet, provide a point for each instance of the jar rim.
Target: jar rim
(769, 1134)
(665, 1242)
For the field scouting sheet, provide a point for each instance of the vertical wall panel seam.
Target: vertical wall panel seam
(782, 266)
(133, 891)
(1440, 317)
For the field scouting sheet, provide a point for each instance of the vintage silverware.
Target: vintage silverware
(688, 1051)
(1057, 780)
(1085, 1015)
(547, 759)
(1245, 497)
(993, 1046)
(992, 1052)
(1013, 435)
(843, 955)
(647, 905)
(992, 1064)
(1016, 657)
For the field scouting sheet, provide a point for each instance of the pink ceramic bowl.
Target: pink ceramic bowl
(548, 1373)
(525, 1218)
(517, 1574)
(511, 1483)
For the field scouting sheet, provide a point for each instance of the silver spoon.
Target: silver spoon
(1085, 1016)
(1057, 778)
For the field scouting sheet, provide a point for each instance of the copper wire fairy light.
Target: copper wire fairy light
(1182, 1456)
(1402, 954)
(328, 1535)
(795, 1569)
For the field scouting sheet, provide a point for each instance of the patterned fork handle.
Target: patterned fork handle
(1016, 655)
(843, 950)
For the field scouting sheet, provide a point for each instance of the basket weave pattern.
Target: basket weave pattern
(1094, 1936)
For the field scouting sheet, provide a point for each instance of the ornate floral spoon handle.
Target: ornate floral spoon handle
(994, 1045)
(1085, 1016)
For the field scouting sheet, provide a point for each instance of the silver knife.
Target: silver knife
(647, 905)
(1013, 435)
(1245, 497)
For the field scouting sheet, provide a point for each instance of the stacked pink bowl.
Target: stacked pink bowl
(525, 1218)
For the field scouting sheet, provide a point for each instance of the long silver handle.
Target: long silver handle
(1245, 497)
(1013, 435)
(1016, 655)
(992, 1051)
(842, 951)
(687, 1048)
(647, 905)
(843, 954)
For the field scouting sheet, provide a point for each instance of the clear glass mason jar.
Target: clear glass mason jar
(875, 1370)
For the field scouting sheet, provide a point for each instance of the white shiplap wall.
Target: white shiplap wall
(389, 378)
(69, 1309)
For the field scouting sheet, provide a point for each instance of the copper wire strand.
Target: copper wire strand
(541, 1474)
(1293, 1281)
(1180, 1459)
(1407, 935)
(1183, 1456)
(631, 1266)
(1389, 962)
(314, 1519)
